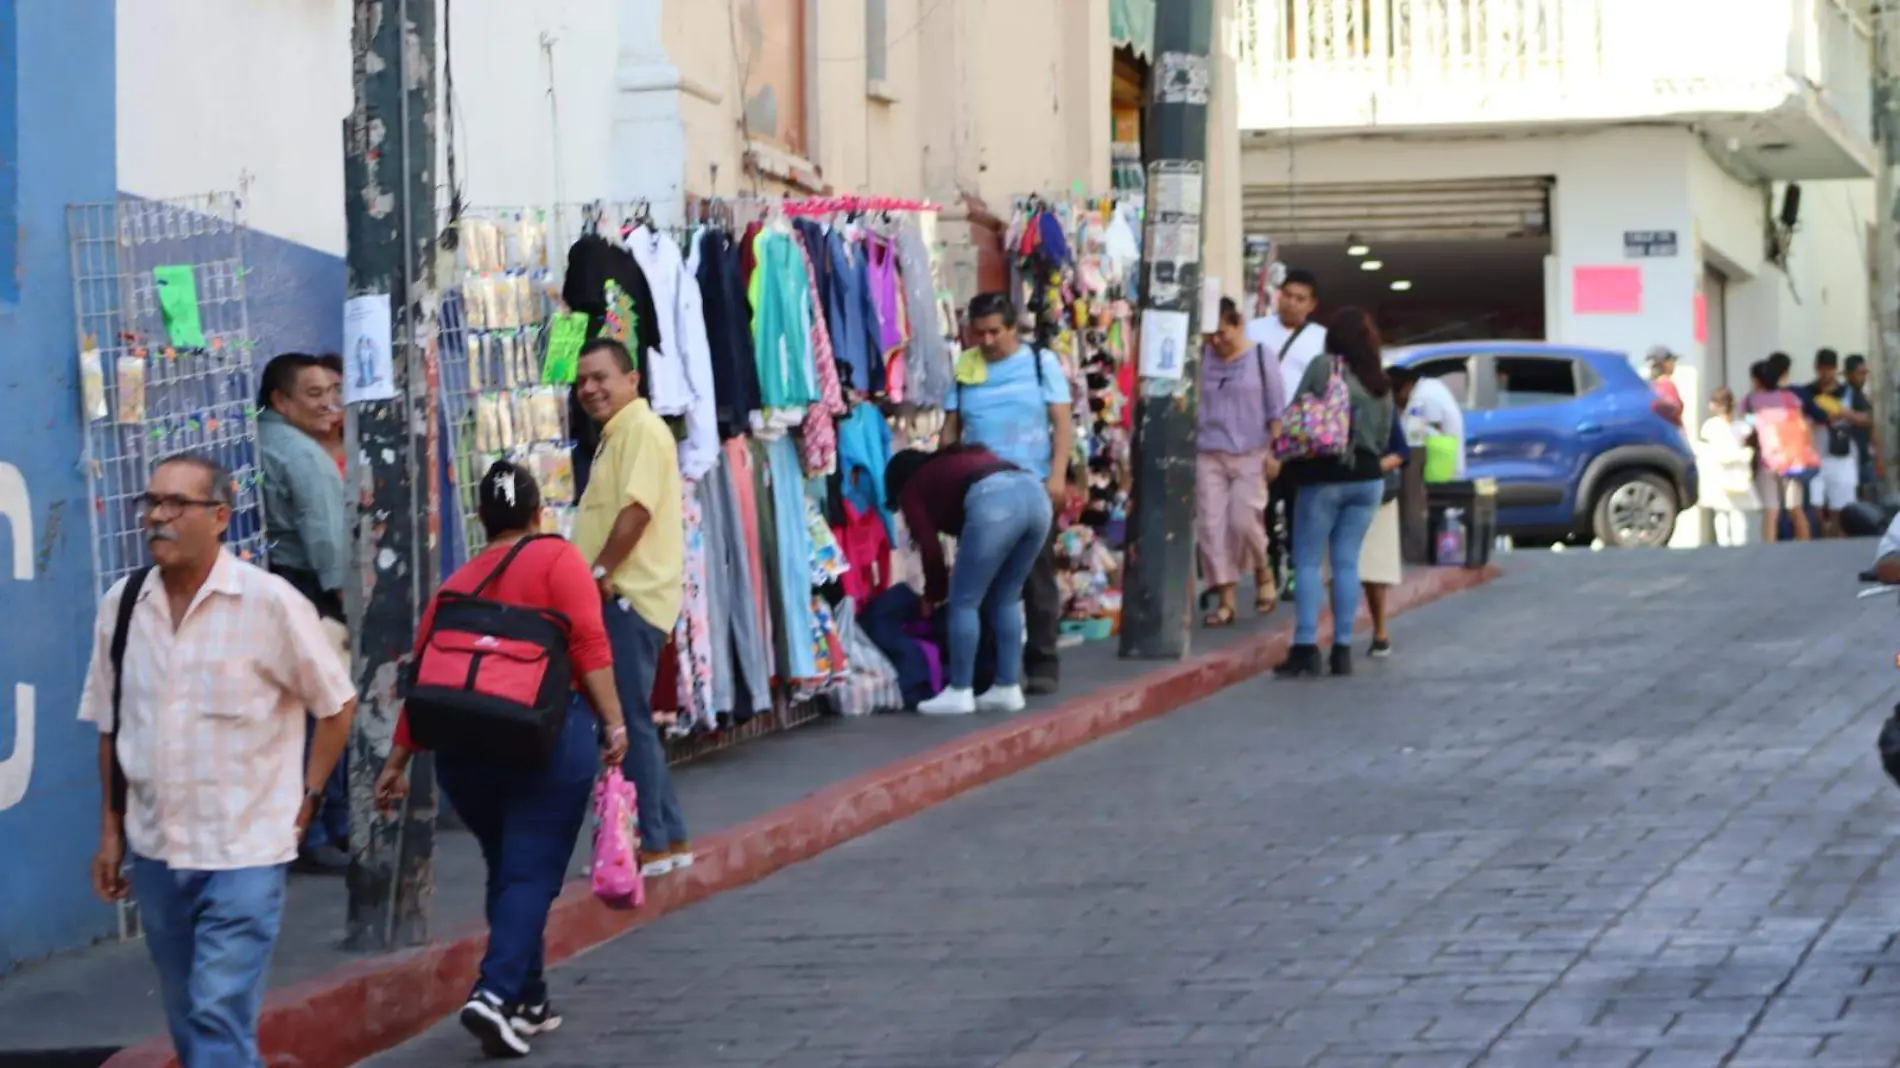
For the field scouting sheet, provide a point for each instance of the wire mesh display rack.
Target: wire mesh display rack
(143, 397)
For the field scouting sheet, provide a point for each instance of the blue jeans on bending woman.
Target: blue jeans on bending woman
(1330, 517)
(1006, 519)
(527, 820)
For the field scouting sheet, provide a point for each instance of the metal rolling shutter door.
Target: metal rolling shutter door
(1469, 209)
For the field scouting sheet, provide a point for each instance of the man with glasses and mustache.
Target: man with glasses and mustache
(202, 760)
(299, 403)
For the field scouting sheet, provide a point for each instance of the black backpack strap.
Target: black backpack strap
(121, 633)
(513, 551)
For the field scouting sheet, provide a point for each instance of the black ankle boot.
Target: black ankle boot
(1300, 660)
(1342, 660)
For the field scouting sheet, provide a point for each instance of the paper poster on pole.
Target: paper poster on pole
(369, 370)
(1210, 305)
(1164, 341)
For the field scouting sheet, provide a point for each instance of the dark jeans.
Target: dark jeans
(636, 646)
(330, 825)
(210, 934)
(526, 820)
(1042, 615)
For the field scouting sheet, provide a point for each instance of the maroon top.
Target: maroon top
(933, 505)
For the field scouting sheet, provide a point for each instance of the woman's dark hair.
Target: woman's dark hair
(1230, 313)
(1352, 337)
(1761, 372)
(1779, 364)
(897, 473)
(508, 499)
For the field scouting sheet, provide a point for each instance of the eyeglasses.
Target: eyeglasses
(150, 504)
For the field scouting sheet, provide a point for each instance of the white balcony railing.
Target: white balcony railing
(1350, 64)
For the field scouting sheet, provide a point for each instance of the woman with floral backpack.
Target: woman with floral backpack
(1332, 439)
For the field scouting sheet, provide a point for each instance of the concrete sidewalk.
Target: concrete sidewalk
(748, 820)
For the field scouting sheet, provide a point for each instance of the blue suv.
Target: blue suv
(1572, 437)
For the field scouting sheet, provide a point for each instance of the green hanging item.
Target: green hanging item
(1441, 458)
(178, 305)
(567, 332)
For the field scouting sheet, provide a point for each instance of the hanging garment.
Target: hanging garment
(781, 304)
(741, 653)
(927, 358)
(592, 262)
(692, 634)
(864, 451)
(728, 316)
(818, 435)
(682, 374)
(867, 546)
(740, 473)
(792, 550)
(767, 528)
(871, 684)
(854, 332)
(882, 258)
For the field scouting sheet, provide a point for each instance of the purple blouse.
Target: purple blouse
(1238, 397)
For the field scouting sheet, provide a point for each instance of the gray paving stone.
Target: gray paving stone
(1605, 812)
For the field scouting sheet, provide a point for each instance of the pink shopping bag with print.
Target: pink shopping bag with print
(616, 871)
(1317, 426)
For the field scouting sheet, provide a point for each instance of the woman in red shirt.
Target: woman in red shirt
(526, 818)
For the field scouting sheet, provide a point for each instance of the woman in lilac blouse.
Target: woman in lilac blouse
(1242, 396)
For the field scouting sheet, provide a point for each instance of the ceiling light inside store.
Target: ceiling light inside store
(1371, 265)
(1401, 285)
(1357, 250)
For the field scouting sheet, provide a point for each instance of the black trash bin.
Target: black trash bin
(1476, 502)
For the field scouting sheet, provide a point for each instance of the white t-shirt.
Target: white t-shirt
(1433, 410)
(1272, 333)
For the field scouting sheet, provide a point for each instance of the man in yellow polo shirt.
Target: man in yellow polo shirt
(630, 526)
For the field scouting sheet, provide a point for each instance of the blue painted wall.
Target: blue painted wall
(293, 297)
(56, 94)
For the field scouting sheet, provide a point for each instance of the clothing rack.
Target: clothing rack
(840, 205)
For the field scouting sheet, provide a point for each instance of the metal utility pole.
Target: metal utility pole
(1157, 595)
(389, 189)
(1886, 91)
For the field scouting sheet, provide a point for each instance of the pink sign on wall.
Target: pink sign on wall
(1701, 318)
(1606, 290)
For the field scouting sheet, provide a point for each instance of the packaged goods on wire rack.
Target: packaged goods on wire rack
(791, 345)
(504, 387)
(1074, 266)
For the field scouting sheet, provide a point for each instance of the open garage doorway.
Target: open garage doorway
(1433, 261)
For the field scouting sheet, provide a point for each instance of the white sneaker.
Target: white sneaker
(951, 702)
(486, 1018)
(657, 867)
(1001, 699)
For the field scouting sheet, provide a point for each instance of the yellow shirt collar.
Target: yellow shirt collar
(624, 417)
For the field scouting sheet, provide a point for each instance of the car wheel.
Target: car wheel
(1636, 509)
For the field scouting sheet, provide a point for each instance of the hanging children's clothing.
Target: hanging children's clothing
(715, 262)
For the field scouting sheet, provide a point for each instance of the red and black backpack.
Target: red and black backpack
(492, 678)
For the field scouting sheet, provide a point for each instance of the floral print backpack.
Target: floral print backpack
(1317, 426)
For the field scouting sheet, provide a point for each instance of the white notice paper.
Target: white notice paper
(1164, 340)
(1210, 305)
(369, 371)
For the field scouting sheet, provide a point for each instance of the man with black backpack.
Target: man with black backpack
(202, 669)
(1013, 399)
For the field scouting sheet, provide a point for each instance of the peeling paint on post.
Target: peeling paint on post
(389, 163)
(1158, 595)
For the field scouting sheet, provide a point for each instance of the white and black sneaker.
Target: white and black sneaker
(531, 1020)
(486, 1018)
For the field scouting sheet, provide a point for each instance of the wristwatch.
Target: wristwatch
(599, 572)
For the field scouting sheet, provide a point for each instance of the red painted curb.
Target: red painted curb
(356, 1011)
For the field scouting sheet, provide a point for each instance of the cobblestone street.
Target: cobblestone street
(1612, 810)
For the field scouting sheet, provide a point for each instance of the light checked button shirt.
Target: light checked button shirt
(212, 718)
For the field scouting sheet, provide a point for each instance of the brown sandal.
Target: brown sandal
(1266, 599)
(1220, 617)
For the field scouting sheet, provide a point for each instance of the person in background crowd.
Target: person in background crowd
(1338, 496)
(526, 818)
(1873, 467)
(1776, 491)
(1662, 372)
(1294, 340)
(630, 525)
(1430, 410)
(1829, 404)
(1013, 399)
(1381, 560)
(1241, 401)
(307, 523)
(1727, 464)
(332, 437)
(1000, 516)
(222, 659)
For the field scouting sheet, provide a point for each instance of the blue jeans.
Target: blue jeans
(210, 934)
(331, 824)
(637, 645)
(1330, 517)
(1005, 521)
(526, 820)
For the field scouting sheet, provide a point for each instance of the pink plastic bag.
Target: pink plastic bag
(616, 871)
